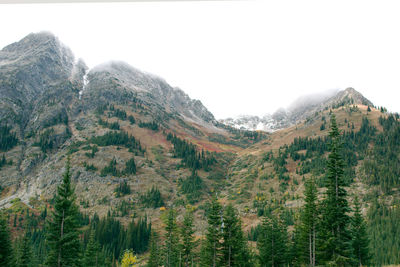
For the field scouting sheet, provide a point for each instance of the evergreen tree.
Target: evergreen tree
(6, 257)
(63, 235)
(130, 167)
(155, 251)
(308, 227)
(271, 243)
(91, 257)
(171, 249)
(25, 254)
(188, 240)
(359, 236)
(212, 246)
(335, 235)
(234, 246)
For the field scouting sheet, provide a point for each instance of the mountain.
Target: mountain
(301, 109)
(138, 146)
(56, 107)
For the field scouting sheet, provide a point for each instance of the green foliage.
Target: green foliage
(117, 139)
(308, 228)
(24, 256)
(272, 242)
(119, 113)
(360, 240)
(171, 247)
(111, 169)
(130, 166)
(4, 162)
(111, 125)
(113, 238)
(89, 167)
(213, 247)
(8, 139)
(93, 150)
(131, 119)
(189, 243)
(6, 253)
(192, 187)
(234, 246)
(155, 257)
(122, 189)
(335, 235)
(149, 125)
(63, 234)
(60, 117)
(384, 230)
(382, 166)
(152, 198)
(188, 153)
(91, 255)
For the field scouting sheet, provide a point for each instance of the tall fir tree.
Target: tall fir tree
(6, 253)
(91, 256)
(308, 225)
(360, 241)
(155, 251)
(63, 233)
(212, 254)
(335, 233)
(189, 244)
(25, 255)
(272, 243)
(171, 248)
(234, 246)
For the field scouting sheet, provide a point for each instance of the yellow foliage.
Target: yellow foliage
(162, 208)
(128, 259)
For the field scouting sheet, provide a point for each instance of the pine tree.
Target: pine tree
(188, 240)
(360, 241)
(272, 243)
(25, 254)
(91, 257)
(171, 241)
(6, 256)
(155, 251)
(63, 235)
(234, 246)
(308, 227)
(212, 246)
(335, 234)
(130, 166)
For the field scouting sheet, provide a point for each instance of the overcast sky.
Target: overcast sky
(237, 57)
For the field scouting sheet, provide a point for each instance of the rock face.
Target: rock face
(299, 110)
(149, 87)
(50, 100)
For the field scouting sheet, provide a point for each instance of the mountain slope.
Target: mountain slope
(301, 109)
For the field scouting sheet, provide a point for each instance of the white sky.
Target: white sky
(237, 57)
